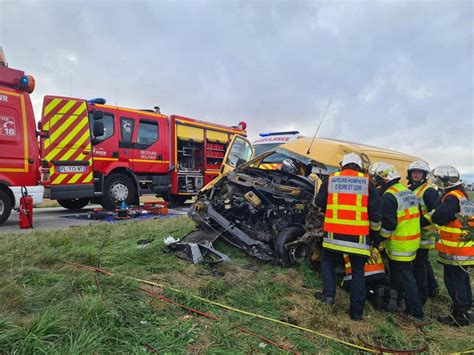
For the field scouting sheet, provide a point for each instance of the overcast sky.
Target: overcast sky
(400, 74)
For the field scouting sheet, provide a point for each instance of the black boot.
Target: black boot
(379, 297)
(455, 320)
(320, 297)
(391, 304)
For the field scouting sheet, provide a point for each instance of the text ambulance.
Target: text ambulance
(269, 141)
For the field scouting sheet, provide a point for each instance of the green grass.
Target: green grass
(48, 306)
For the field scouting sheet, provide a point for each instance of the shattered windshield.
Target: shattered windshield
(281, 154)
(262, 148)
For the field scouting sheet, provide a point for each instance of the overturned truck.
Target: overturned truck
(270, 214)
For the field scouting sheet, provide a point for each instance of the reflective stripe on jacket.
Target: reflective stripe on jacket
(426, 242)
(452, 250)
(404, 241)
(373, 266)
(347, 212)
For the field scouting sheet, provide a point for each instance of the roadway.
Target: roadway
(48, 218)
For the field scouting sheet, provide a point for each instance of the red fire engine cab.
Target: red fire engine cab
(93, 151)
(19, 155)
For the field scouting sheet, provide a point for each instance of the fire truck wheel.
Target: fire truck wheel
(74, 204)
(292, 254)
(117, 187)
(5, 206)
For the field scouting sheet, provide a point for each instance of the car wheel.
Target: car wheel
(117, 188)
(74, 204)
(295, 253)
(5, 206)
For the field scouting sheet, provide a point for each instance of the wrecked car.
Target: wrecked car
(270, 213)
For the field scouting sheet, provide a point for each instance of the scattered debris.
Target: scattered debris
(170, 240)
(126, 212)
(197, 247)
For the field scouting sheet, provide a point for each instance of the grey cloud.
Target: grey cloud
(400, 73)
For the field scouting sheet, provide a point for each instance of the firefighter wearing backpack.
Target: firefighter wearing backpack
(428, 199)
(400, 216)
(351, 206)
(456, 253)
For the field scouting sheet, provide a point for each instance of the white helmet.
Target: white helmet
(446, 176)
(385, 171)
(419, 165)
(352, 158)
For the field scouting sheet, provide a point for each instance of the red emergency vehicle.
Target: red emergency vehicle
(19, 155)
(93, 151)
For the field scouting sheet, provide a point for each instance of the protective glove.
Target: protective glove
(375, 238)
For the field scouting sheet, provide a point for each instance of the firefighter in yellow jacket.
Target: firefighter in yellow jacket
(400, 217)
(428, 198)
(455, 250)
(351, 207)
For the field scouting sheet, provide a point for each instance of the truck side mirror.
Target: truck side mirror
(98, 129)
(98, 114)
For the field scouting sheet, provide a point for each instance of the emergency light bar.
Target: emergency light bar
(278, 133)
(27, 83)
(97, 101)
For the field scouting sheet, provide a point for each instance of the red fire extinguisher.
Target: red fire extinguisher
(26, 209)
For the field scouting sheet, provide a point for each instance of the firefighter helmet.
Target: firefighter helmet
(446, 176)
(384, 171)
(352, 158)
(418, 165)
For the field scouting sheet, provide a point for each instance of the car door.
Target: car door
(148, 148)
(240, 151)
(127, 131)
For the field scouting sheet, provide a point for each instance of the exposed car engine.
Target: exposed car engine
(267, 213)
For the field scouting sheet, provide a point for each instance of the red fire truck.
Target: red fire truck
(19, 156)
(93, 151)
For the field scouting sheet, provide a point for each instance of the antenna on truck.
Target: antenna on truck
(3, 60)
(319, 126)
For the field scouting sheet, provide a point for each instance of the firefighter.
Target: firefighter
(351, 206)
(428, 199)
(400, 217)
(377, 289)
(455, 254)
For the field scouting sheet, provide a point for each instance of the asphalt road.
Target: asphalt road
(59, 218)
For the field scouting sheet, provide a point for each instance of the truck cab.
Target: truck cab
(19, 155)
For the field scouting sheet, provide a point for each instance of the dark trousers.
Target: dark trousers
(459, 288)
(329, 261)
(432, 283)
(403, 280)
(424, 275)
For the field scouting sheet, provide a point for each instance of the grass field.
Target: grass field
(48, 306)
